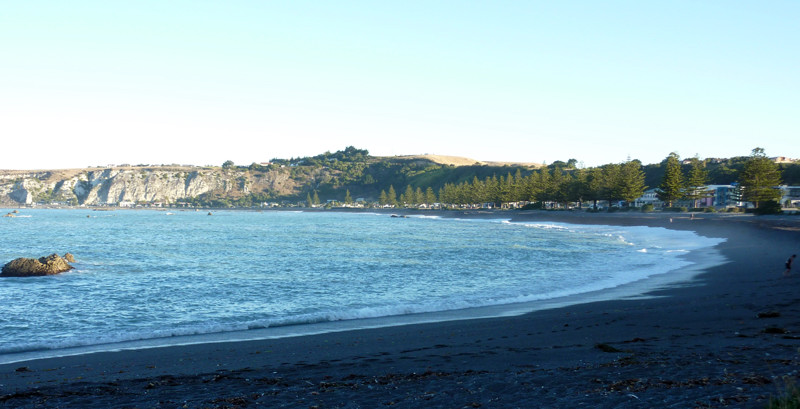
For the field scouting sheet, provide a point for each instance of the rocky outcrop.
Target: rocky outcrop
(129, 185)
(44, 266)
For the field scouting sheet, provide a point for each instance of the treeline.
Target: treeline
(612, 182)
(413, 181)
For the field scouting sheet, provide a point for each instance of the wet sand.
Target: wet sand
(728, 338)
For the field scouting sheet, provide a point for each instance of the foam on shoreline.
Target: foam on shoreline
(700, 260)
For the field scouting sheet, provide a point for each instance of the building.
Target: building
(783, 159)
(650, 196)
(790, 196)
(722, 196)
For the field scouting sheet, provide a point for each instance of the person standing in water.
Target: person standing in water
(789, 264)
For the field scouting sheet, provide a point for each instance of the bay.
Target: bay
(154, 274)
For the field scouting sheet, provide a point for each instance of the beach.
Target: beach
(728, 337)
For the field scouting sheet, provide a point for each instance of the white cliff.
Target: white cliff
(113, 186)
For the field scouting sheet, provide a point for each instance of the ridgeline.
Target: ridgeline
(346, 175)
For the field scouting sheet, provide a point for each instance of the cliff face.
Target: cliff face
(114, 186)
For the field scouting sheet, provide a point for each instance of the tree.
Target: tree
(383, 199)
(595, 186)
(671, 187)
(316, 198)
(309, 201)
(430, 197)
(409, 195)
(696, 182)
(759, 177)
(630, 183)
(227, 164)
(391, 197)
(578, 186)
(347, 198)
(609, 182)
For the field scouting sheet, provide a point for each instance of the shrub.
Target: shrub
(682, 209)
(789, 400)
(533, 206)
(648, 208)
(768, 207)
(709, 210)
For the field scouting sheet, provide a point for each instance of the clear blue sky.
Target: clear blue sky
(200, 82)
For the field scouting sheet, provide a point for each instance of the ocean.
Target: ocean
(162, 277)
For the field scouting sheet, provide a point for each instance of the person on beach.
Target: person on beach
(789, 264)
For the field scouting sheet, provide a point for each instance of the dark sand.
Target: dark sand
(700, 344)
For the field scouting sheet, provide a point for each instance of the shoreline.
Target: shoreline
(698, 259)
(638, 289)
(699, 343)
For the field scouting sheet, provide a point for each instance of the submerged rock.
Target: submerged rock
(29, 267)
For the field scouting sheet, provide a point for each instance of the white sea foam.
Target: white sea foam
(425, 216)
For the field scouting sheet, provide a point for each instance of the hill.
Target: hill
(329, 176)
(461, 161)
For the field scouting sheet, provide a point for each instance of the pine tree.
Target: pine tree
(347, 198)
(758, 178)
(578, 185)
(595, 186)
(383, 199)
(309, 202)
(316, 198)
(430, 197)
(631, 181)
(672, 187)
(391, 197)
(478, 190)
(409, 195)
(507, 189)
(556, 186)
(696, 182)
(518, 190)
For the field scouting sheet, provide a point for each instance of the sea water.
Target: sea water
(143, 275)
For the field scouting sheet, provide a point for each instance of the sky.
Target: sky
(89, 83)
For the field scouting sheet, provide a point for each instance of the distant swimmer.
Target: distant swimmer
(789, 264)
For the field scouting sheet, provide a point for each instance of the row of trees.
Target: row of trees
(336, 175)
(613, 182)
(677, 186)
(757, 180)
(623, 182)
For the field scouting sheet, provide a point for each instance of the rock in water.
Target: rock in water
(29, 267)
(69, 257)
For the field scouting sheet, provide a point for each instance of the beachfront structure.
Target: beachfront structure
(722, 196)
(719, 196)
(790, 196)
(649, 197)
